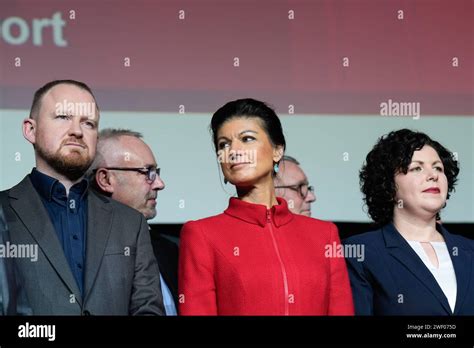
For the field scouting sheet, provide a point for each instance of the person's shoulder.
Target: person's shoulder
(23, 187)
(371, 245)
(206, 222)
(312, 221)
(210, 228)
(321, 226)
(119, 208)
(4, 194)
(462, 241)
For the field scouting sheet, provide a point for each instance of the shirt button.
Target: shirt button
(79, 266)
(75, 237)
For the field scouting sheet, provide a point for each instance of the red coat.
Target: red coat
(251, 260)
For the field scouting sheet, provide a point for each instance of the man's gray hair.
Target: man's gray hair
(112, 133)
(278, 177)
(104, 135)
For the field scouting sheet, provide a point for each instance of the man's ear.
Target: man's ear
(104, 180)
(29, 130)
(277, 153)
(280, 192)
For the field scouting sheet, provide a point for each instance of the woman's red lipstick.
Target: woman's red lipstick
(432, 190)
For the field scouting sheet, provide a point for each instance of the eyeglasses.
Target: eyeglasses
(150, 172)
(302, 189)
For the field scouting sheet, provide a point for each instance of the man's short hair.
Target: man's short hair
(113, 133)
(104, 135)
(35, 106)
(290, 159)
(278, 177)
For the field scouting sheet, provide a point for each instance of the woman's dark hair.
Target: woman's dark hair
(250, 108)
(392, 154)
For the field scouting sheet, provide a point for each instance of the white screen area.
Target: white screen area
(331, 150)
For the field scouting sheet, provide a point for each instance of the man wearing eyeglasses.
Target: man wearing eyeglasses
(125, 169)
(291, 183)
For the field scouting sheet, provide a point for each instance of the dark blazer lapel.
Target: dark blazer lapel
(99, 225)
(461, 257)
(27, 204)
(399, 248)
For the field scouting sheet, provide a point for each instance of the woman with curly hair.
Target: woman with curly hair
(412, 265)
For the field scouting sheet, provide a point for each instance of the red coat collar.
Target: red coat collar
(257, 213)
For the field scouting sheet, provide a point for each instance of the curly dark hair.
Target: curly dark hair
(392, 154)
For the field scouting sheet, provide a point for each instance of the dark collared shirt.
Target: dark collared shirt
(69, 217)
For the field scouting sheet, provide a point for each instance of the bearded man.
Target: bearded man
(94, 254)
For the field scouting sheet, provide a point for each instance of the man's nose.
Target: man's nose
(311, 197)
(75, 127)
(158, 183)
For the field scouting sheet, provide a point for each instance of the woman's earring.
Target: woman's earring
(225, 181)
(276, 168)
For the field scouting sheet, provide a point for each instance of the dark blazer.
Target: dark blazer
(166, 253)
(393, 280)
(12, 295)
(121, 275)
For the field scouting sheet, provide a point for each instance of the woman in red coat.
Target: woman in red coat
(258, 258)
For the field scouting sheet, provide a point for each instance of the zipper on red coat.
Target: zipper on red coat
(282, 266)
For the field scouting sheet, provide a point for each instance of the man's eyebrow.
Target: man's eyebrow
(93, 117)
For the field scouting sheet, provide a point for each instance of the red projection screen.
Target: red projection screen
(322, 57)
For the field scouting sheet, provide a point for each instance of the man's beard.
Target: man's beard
(72, 166)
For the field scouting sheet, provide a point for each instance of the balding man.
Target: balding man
(94, 254)
(291, 183)
(125, 169)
